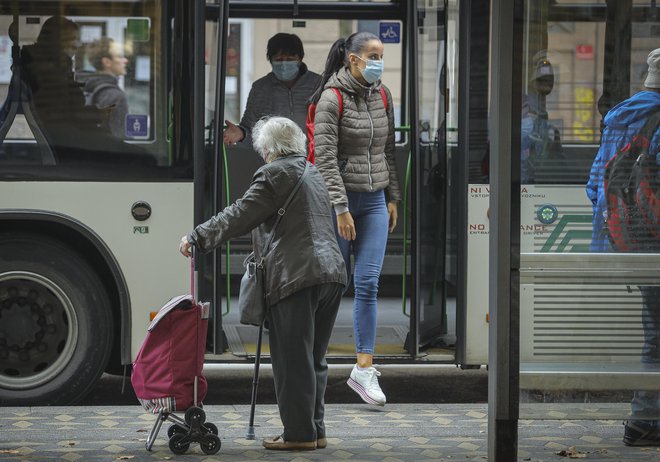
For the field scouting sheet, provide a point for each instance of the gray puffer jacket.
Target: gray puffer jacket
(355, 152)
(270, 97)
(304, 250)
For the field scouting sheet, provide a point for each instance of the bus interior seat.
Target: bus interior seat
(19, 101)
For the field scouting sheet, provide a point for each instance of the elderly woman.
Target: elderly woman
(305, 274)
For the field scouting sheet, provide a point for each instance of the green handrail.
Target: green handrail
(406, 241)
(228, 251)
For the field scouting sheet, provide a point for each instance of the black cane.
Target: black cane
(255, 384)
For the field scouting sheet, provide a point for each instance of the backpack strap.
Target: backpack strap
(384, 96)
(340, 101)
(650, 126)
(91, 96)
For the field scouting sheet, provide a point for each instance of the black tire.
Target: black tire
(55, 322)
(176, 446)
(210, 445)
(175, 429)
(194, 416)
(211, 427)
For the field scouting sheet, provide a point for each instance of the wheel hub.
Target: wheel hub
(38, 330)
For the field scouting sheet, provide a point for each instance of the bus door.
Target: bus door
(247, 26)
(433, 320)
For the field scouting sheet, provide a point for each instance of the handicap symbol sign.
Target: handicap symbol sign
(137, 125)
(390, 32)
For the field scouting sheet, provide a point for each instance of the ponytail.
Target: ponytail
(333, 63)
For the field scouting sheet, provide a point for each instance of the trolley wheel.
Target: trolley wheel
(177, 446)
(211, 427)
(175, 430)
(194, 415)
(210, 444)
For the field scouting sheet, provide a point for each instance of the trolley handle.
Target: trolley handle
(193, 274)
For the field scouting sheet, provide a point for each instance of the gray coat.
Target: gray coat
(270, 97)
(304, 250)
(355, 152)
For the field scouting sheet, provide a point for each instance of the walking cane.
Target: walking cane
(255, 384)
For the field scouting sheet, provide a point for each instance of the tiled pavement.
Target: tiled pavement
(398, 432)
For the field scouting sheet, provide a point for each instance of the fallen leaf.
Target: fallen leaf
(8, 451)
(125, 457)
(141, 430)
(572, 453)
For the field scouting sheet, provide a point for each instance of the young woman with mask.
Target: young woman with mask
(282, 92)
(354, 152)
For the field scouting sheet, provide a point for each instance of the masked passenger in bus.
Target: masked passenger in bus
(623, 122)
(541, 150)
(304, 273)
(354, 152)
(282, 92)
(102, 88)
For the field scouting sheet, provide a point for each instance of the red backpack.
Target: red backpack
(632, 193)
(311, 114)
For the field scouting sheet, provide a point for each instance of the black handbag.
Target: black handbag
(252, 295)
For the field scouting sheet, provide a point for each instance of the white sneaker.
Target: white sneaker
(365, 383)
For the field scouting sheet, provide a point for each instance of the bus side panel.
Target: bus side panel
(146, 251)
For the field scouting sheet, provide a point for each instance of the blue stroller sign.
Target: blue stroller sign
(137, 125)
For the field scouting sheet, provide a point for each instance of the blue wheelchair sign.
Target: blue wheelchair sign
(390, 32)
(137, 125)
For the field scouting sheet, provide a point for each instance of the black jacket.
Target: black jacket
(304, 250)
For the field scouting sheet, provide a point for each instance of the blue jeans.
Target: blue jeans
(646, 404)
(369, 212)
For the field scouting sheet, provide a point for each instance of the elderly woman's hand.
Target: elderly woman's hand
(185, 247)
(346, 226)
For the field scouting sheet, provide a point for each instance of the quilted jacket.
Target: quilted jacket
(270, 97)
(355, 152)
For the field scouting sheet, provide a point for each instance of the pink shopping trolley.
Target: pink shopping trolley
(167, 374)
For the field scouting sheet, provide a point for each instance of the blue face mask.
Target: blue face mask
(373, 70)
(285, 70)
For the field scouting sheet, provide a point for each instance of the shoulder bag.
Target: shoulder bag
(252, 295)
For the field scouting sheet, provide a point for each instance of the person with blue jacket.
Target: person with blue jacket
(622, 122)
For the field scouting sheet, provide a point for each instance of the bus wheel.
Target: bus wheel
(55, 322)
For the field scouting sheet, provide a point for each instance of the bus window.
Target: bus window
(83, 89)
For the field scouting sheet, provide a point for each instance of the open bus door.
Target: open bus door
(430, 329)
(417, 247)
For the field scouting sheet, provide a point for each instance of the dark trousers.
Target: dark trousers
(299, 333)
(646, 404)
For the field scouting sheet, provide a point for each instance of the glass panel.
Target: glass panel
(85, 96)
(434, 311)
(589, 312)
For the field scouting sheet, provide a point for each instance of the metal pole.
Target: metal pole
(255, 385)
(504, 246)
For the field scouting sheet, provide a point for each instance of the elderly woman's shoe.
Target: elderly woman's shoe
(321, 443)
(278, 443)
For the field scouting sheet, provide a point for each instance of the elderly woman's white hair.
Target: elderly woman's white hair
(275, 137)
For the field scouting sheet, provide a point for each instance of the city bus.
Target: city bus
(90, 224)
